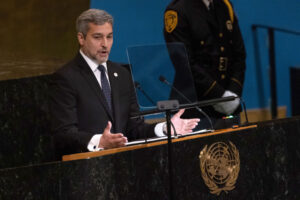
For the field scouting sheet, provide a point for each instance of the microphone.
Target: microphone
(164, 80)
(139, 87)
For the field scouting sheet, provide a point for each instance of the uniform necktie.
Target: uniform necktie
(211, 7)
(105, 86)
(212, 10)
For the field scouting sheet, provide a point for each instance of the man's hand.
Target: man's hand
(109, 140)
(183, 126)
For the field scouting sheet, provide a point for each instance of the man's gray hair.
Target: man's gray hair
(95, 16)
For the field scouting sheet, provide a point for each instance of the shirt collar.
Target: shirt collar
(91, 63)
(207, 2)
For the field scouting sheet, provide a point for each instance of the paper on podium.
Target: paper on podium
(143, 141)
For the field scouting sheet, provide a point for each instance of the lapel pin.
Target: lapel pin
(116, 74)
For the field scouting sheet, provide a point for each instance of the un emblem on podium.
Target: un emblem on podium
(220, 166)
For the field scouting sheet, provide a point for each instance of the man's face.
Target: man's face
(98, 42)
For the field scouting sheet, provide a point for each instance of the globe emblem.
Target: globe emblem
(220, 166)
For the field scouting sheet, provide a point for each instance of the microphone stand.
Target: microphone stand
(170, 150)
(165, 81)
(167, 107)
(190, 105)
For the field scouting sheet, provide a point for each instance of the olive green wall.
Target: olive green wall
(37, 37)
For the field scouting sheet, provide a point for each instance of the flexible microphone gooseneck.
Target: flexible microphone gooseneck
(138, 86)
(245, 111)
(165, 81)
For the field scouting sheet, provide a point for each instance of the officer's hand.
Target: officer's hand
(109, 140)
(228, 107)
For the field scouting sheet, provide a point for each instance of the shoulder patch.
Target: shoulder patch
(171, 20)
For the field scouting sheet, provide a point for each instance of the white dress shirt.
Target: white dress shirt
(207, 2)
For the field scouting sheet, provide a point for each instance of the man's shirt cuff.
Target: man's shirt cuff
(94, 143)
(159, 130)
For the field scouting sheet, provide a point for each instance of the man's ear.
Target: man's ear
(80, 38)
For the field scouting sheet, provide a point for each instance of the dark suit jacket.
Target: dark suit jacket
(79, 109)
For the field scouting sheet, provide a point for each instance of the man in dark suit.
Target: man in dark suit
(210, 32)
(93, 98)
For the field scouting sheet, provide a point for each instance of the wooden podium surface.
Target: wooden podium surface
(88, 155)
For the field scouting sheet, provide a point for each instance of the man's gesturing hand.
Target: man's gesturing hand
(109, 140)
(183, 126)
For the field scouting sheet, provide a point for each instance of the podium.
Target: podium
(89, 155)
(255, 162)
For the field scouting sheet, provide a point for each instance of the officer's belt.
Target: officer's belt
(223, 63)
(216, 61)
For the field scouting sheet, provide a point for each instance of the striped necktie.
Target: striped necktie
(105, 86)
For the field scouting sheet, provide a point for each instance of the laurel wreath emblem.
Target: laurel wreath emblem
(220, 166)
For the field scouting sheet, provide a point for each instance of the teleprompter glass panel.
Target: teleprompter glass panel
(161, 72)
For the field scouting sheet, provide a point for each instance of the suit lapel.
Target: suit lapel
(93, 83)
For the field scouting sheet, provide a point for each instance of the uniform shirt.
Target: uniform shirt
(207, 2)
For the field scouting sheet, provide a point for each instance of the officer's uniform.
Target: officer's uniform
(214, 44)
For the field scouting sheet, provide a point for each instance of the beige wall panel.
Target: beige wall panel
(37, 37)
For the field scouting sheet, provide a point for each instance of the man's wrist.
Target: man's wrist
(94, 143)
(159, 129)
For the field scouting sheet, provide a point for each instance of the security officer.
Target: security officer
(210, 32)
